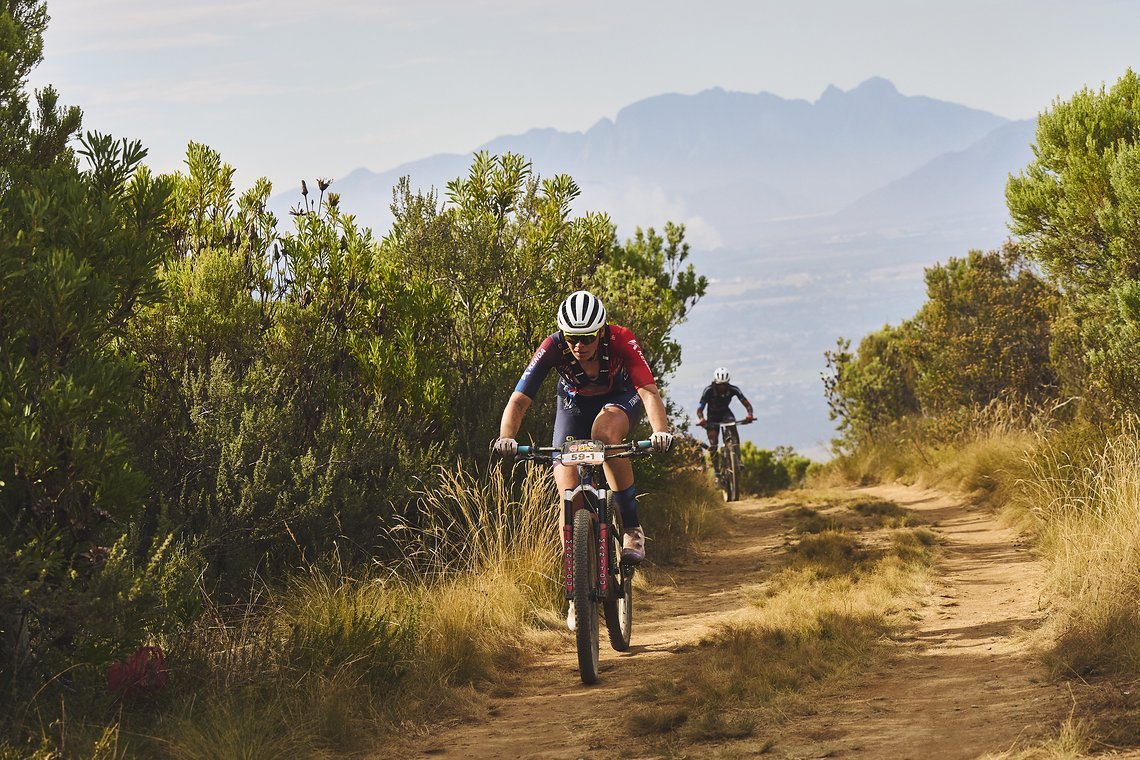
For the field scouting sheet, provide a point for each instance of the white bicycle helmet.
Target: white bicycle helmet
(721, 375)
(581, 312)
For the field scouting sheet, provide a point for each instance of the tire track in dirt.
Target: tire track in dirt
(962, 684)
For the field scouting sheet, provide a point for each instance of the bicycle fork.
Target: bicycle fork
(603, 560)
(568, 558)
(603, 527)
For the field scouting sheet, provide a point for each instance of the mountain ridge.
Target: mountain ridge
(813, 219)
(778, 157)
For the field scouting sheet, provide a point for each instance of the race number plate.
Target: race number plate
(583, 452)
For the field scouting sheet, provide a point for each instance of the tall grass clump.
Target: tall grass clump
(333, 662)
(1071, 740)
(979, 450)
(1087, 515)
(680, 507)
(486, 556)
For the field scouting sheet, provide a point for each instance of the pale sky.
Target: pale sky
(294, 89)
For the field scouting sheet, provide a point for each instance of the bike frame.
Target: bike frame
(594, 490)
(592, 520)
(728, 442)
(724, 426)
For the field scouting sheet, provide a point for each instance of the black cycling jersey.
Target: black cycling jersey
(717, 396)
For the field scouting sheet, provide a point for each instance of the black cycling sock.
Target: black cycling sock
(627, 503)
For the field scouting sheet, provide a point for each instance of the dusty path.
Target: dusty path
(964, 684)
(961, 686)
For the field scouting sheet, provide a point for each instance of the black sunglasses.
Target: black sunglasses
(585, 340)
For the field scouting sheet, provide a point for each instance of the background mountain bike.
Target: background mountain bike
(593, 572)
(727, 466)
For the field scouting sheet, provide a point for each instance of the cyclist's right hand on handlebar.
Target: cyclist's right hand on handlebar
(506, 447)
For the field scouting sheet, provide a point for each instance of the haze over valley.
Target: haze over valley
(812, 220)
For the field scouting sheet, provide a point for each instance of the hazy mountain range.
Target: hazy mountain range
(814, 219)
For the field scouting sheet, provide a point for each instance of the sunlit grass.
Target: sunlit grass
(825, 616)
(680, 514)
(1087, 518)
(1071, 740)
(1078, 495)
(978, 452)
(334, 663)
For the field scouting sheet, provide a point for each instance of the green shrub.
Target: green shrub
(763, 471)
(78, 252)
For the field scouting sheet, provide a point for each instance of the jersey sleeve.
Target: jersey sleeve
(704, 397)
(624, 343)
(545, 357)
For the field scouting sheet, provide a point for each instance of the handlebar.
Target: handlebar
(619, 450)
(745, 421)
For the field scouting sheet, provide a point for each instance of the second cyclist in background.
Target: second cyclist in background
(717, 396)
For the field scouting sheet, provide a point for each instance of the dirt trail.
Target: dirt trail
(962, 684)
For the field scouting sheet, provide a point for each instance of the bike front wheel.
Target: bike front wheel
(732, 474)
(585, 583)
(619, 609)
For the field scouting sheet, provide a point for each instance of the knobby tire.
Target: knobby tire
(585, 581)
(732, 483)
(619, 609)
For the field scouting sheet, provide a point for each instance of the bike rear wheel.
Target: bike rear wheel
(732, 473)
(619, 609)
(585, 582)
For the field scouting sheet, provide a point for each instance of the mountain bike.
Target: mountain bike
(592, 570)
(727, 468)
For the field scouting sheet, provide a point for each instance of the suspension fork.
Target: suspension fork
(568, 532)
(568, 544)
(604, 524)
(586, 477)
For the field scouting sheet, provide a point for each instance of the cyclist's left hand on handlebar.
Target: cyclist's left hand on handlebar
(750, 418)
(506, 447)
(661, 441)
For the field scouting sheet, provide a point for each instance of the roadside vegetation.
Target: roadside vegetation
(245, 479)
(1016, 381)
(247, 500)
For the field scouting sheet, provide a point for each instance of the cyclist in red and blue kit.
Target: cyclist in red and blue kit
(604, 383)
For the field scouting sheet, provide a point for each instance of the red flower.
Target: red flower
(145, 671)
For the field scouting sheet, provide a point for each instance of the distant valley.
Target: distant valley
(813, 219)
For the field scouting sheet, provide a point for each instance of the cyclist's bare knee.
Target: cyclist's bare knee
(611, 425)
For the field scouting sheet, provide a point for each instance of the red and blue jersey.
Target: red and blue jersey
(621, 365)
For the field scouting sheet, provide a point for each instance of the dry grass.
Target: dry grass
(332, 663)
(1078, 495)
(1087, 518)
(816, 511)
(335, 664)
(1072, 740)
(682, 512)
(978, 452)
(826, 615)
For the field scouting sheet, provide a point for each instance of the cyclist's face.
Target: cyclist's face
(584, 349)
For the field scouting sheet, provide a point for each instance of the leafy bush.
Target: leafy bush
(78, 251)
(196, 403)
(982, 337)
(766, 471)
(1075, 208)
